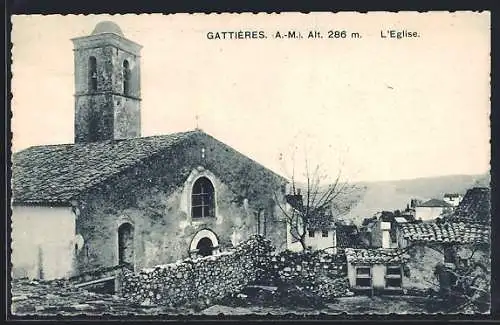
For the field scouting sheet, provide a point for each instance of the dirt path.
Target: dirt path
(351, 305)
(34, 298)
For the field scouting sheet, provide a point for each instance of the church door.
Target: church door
(126, 245)
(205, 247)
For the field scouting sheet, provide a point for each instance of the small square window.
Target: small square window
(363, 271)
(324, 233)
(393, 282)
(363, 282)
(393, 270)
(311, 233)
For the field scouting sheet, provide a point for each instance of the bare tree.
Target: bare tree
(316, 197)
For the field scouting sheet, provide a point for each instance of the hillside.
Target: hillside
(393, 195)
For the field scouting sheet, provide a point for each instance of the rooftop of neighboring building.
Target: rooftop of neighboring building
(369, 256)
(435, 203)
(432, 232)
(475, 207)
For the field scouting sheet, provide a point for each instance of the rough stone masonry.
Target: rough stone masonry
(318, 272)
(200, 280)
(208, 279)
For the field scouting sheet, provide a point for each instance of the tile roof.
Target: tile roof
(434, 203)
(376, 256)
(474, 207)
(320, 222)
(462, 233)
(56, 173)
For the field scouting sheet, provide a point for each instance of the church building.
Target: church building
(115, 198)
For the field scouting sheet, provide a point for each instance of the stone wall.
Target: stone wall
(419, 271)
(202, 280)
(320, 273)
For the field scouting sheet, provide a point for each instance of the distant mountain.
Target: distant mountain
(394, 195)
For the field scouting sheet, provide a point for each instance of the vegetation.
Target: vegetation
(315, 198)
(464, 287)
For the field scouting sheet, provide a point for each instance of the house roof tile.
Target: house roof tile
(461, 233)
(321, 222)
(474, 207)
(376, 256)
(56, 173)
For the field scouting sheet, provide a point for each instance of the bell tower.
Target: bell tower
(107, 85)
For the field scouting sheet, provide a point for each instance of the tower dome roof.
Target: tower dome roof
(107, 27)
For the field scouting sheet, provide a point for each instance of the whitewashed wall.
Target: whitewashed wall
(316, 242)
(428, 213)
(454, 201)
(377, 274)
(42, 237)
(320, 242)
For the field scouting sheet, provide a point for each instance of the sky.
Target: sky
(373, 108)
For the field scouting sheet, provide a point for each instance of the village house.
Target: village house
(115, 198)
(347, 236)
(404, 253)
(474, 208)
(376, 270)
(320, 229)
(453, 198)
(380, 230)
(321, 234)
(432, 209)
(459, 238)
(380, 267)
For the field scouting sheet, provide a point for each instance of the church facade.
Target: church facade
(116, 198)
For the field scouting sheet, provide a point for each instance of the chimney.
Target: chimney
(386, 236)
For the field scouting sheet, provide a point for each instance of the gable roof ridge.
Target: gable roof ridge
(243, 155)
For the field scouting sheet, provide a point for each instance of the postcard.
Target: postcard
(250, 164)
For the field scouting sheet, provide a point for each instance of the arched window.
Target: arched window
(202, 199)
(92, 73)
(126, 245)
(126, 77)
